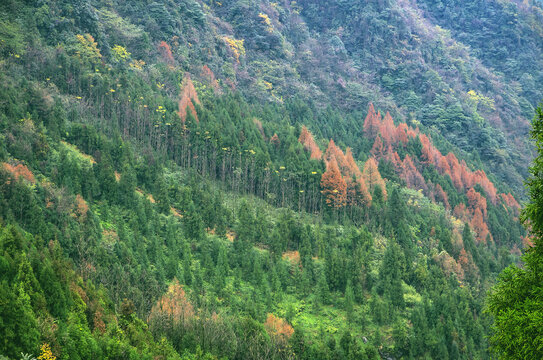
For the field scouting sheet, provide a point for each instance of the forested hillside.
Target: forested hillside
(186, 179)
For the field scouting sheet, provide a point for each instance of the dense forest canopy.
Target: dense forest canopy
(194, 179)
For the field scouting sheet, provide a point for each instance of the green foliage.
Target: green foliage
(514, 302)
(533, 213)
(11, 39)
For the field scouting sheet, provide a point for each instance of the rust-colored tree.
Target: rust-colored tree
(476, 201)
(468, 180)
(428, 151)
(449, 265)
(330, 152)
(304, 136)
(166, 52)
(411, 175)
(460, 212)
(188, 98)
(363, 196)
(441, 196)
(307, 140)
(456, 171)
(208, 74)
(280, 332)
(463, 259)
(510, 201)
(443, 166)
(373, 178)
(479, 226)
(401, 134)
(354, 170)
(486, 184)
(81, 208)
(172, 309)
(333, 186)
(351, 199)
(411, 134)
(371, 123)
(277, 326)
(394, 159)
(377, 149)
(275, 140)
(98, 321)
(388, 130)
(334, 152)
(19, 171)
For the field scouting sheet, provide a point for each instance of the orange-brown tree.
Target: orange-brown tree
(373, 178)
(307, 140)
(371, 123)
(333, 186)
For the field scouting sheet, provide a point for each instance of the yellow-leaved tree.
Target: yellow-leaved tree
(46, 353)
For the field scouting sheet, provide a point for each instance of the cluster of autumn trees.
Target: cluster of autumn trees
(475, 213)
(343, 184)
(175, 317)
(307, 140)
(219, 143)
(389, 137)
(19, 171)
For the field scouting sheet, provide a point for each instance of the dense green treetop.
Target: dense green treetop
(515, 302)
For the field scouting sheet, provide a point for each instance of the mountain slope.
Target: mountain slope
(430, 73)
(347, 54)
(184, 179)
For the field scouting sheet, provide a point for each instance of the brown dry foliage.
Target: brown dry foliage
(511, 202)
(333, 186)
(449, 265)
(81, 207)
(277, 326)
(411, 175)
(173, 305)
(258, 125)
(166, 52)
(479, 226)
(175, 212)
(307, 140)
(275, 140)
(387, 134)
(441, 196)
(373, 178)
(372, 122)
(188, 98)
(208, 74)
(20, 171)
(292, 256)
(378, 148)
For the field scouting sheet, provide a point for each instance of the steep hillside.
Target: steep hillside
(399, 55)
(254, 180)
(446, 79)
